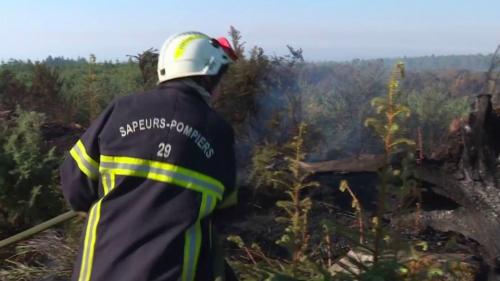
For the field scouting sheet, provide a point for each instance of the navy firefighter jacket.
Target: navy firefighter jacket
(150, 171)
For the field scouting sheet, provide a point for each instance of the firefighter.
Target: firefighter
(151, 171)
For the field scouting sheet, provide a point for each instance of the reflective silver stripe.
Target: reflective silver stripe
(83, 161)
(172, 174)
(106, 183)
(208, 206)
(90, 237)
(193, 239)
(191, 236)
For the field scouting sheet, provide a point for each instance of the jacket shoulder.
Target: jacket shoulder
(132, 98)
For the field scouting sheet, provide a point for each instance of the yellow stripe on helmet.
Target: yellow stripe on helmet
(181, 48)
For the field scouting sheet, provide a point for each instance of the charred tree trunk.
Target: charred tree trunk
(472, 180)
(466, 171)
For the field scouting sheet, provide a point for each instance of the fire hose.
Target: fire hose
(226, 269)
(38, 228)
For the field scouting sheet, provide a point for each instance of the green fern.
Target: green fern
(292, 180)
(390, 114)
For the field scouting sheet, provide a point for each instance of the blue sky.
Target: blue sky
(326, 30)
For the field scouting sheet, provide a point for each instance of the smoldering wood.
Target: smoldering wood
(357, 164)
(466, 170)
(492, 78)
(472, 182)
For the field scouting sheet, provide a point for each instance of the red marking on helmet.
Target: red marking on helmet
(226, 46)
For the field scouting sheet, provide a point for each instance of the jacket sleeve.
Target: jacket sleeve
(80, 169)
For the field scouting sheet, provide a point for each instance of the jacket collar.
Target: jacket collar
(188, 85)
(191, 83)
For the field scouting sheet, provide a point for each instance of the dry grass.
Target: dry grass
(48, 256)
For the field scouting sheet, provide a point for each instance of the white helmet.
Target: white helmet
(192, 54)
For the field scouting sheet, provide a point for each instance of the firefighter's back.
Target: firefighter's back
(163, 167)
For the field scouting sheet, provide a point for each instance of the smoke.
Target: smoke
(332, 99)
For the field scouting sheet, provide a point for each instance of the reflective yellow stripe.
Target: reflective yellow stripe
(105, 183)
(179, 51)
(161, 171)
(108, 183)
(89, 244)
(87, 156)
(191, 251)
(112, 181)
(193, 238)
(94, 237)
(86, 164)
(207, 205)
(109, 166)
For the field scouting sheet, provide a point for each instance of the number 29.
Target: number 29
(164, 150)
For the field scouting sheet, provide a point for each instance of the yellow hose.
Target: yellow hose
(38, 228)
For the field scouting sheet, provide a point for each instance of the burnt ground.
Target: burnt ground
(253, 220)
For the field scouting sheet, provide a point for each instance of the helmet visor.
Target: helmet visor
(226, 47)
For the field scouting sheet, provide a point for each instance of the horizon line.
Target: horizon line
(4, 61)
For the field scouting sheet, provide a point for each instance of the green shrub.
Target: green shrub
(434, 110)
(291, 180)
(27, 174)
(262, 168)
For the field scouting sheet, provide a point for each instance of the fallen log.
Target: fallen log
(358, 164)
